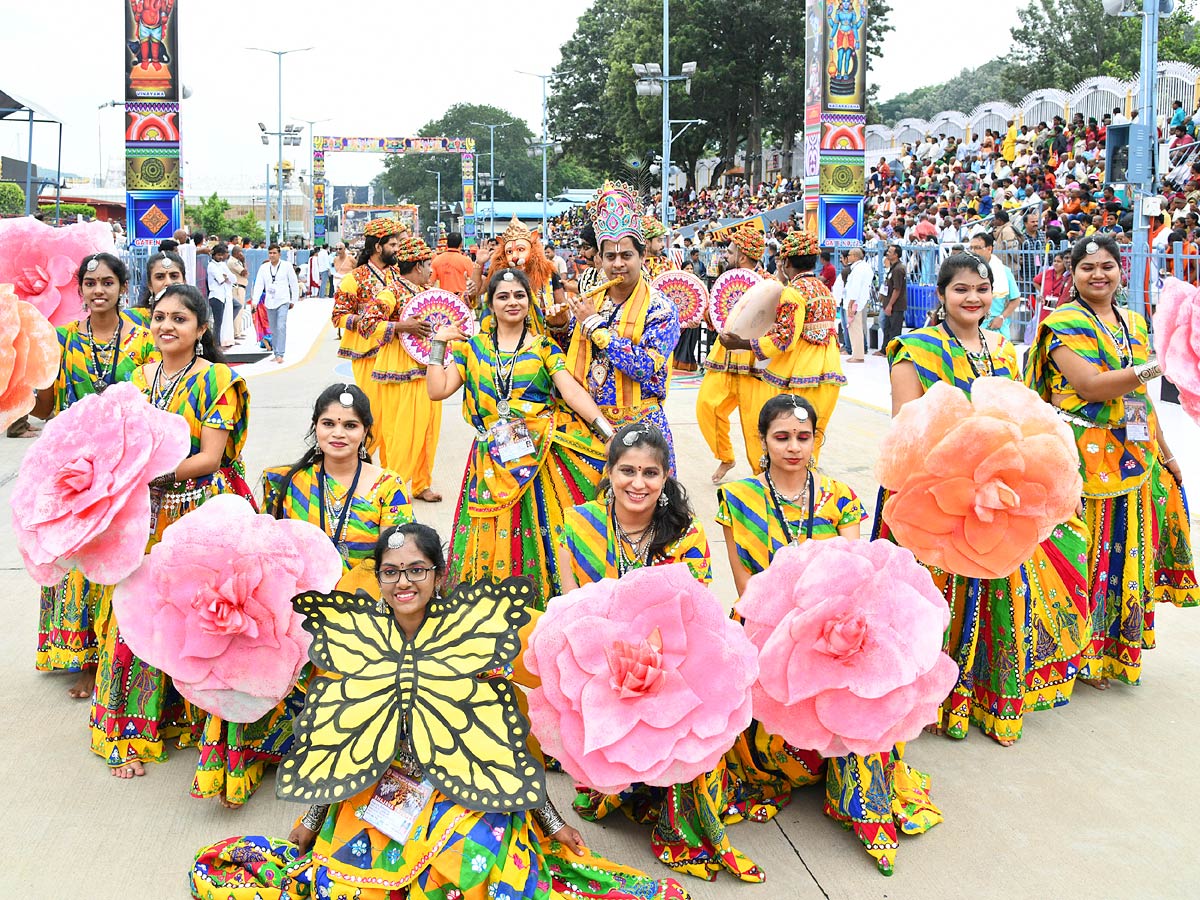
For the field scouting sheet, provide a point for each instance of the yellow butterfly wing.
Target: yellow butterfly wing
(467, 731)
(353, 716)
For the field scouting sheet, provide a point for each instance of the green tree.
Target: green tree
(67, 211)
(209, 215)
(568, 172)
(12, 199)
(245, 226)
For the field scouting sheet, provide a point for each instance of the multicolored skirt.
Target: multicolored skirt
(67, 637)
(452, 853)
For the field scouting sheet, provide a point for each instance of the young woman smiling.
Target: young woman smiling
(530, 461)
(1026, 629)
(1093, 361)
(101, 349)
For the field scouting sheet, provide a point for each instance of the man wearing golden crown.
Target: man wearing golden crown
(619, 341)
(520, 248)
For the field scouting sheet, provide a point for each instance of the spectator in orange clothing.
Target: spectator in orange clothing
(452, 268)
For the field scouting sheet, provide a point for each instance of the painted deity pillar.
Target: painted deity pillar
(835, 116)
(153, 177)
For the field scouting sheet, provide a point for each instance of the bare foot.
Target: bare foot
(1004, 742)
(83, 686)
(853, 359)
(934, 729)
(722, 471)
(1100, 684)
(429, 495)
(229, 804)
(129, 770)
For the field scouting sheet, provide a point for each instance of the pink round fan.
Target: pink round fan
(726, 291)
(439, 308)
(686, 291)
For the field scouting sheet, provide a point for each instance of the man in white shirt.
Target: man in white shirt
(220, 295)
(323, 271)
(1004, 298)
(859, 284)
(275, 285)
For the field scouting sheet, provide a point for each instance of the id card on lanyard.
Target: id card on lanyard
(397, 803)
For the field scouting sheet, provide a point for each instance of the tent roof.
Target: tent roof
(12, 104)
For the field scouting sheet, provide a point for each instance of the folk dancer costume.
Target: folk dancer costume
(511, 508)
(409, 422)
(354, 294)
(543, 279)
(870, 794)
(689, 819)
(1139, 535)
(136, 708)
(624, 360)
(731, 381)
(799, 355)
(67, 636)
(1016, 640)
(475, 822)
(655, 265)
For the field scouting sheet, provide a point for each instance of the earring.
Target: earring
(379, 606)
(663, 501)
(764, 461)
(609, 496)
(812, 463)
(318, 452)
(363, 454)
(199, 347)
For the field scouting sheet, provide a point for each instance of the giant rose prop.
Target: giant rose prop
(212, 605)
(1177, 334)
(29, 355)
(41, 262)
(82, 498)
(642, 679)
(849, 638)
(978, 482)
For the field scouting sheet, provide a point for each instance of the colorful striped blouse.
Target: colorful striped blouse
(938, 357)
(78, 374)
(213, 397)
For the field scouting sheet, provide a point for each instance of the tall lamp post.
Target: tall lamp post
(654, 80)
(545, 144)
(279, 55)
(437, 231)
(289, 136)
(492, 169)
(312, 184)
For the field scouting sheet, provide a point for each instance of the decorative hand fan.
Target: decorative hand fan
(686, 291)
(726, 291)
(438, 308)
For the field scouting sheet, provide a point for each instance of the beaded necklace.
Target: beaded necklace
(104, 355)
(162, 398)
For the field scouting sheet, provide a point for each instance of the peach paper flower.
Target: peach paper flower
(642, 679)
(82, 497)
(41, 262)
(1177, 334)
(978, 482)
(849, 638)
(29, 355)
(212, 605)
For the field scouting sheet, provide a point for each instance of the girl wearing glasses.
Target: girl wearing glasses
(529, 462)
(334, 485)
(452, 850)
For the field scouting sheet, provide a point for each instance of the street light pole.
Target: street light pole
(279, 55)
(666, 114)
(438, 230)
(312, 186)
(545, 146)
(492, 168)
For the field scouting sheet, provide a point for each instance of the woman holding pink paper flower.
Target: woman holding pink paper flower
(99, 351)
(1093, 361)
(1016, 634)
(136, 708)
(787, 505)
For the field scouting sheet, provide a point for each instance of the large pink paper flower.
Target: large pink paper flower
(849, 635)
(1177, 334)
(41, 262)
(642, 679)
(212, 605)
(978, 482)
(29, 355)
(82, 498)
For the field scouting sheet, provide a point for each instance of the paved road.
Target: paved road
(1096, 798)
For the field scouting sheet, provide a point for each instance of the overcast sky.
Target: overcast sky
(357, 43)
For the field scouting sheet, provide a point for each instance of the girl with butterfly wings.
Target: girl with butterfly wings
(414, 748)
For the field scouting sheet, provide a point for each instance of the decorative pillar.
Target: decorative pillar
(153, 176)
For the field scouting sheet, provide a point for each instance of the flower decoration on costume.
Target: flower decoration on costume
(81, 498)
(616, 213)
(41, 262)
(849, 638)
(628, 691)
(750, 241)
(212, 605)
(978, 482)
(384, 228)
(29, 355)
(1177, 333)
(799, 242)
(652, 228)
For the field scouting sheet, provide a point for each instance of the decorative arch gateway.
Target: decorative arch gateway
(399, 146)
